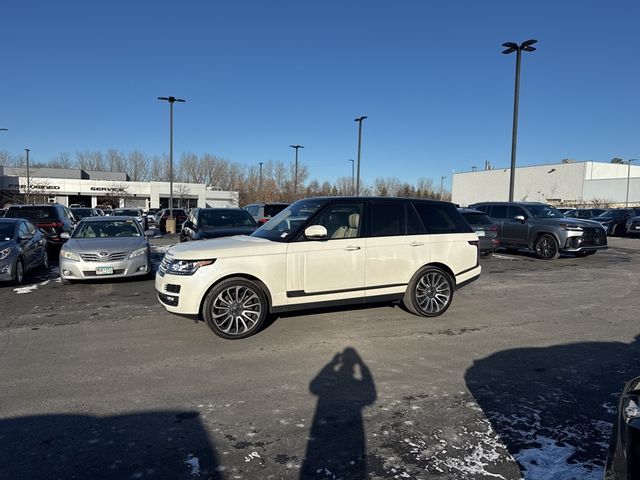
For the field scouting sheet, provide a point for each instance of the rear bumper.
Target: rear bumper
(464, 278)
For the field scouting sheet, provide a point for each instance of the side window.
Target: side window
(387, 219)
(483, 208)
(66, 214)
(414, 224)
(342, 220)
(22, 230)
(442, 218)
(500, 211)
(514, 211)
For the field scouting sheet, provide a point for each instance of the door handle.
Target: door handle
(351, 248)
(416, 244)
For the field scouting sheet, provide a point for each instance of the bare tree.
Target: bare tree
(137, 166)
(182, 191)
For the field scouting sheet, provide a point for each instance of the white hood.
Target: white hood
(226, 247)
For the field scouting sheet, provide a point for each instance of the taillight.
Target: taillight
(51, 225)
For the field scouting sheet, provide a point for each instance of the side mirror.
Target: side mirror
(520, 218)
(26, 237)
(315, 232)
(65, 236)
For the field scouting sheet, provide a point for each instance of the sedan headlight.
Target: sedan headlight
(138, 252)
(571, 228)
(187, 267)
(70, 255)
(5, 253)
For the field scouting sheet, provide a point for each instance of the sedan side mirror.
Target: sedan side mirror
(316, 232)
(520, 218)
(25, 237)
(189, 224)
(65, 236)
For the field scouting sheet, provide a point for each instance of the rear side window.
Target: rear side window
(499, 211)
(253, 209)
(33, 213)
(477, 219)
(442, 218)
(387, 219)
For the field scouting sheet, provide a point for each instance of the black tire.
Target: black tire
(45, 260)
(235, 308)
(429, 293)
(586, 253)
(18, 273)
(546, 247)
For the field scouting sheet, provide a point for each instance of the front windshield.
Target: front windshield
(126, 213)
(544, 211)
(611, 213)
(225, 219)
(82, 212)
(289, 220)
(113, 229)
(6, 231)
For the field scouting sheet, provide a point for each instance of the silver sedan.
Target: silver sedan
(102, 247)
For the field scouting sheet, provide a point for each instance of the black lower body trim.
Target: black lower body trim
(467, 282)
(338, 303)
(302, 293)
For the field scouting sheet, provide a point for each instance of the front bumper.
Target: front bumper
(591, 239)
(129, 267)
(183, 294)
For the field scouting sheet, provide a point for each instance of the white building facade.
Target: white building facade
(570, 184)
(90, 189)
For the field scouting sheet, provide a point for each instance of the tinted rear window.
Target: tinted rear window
(477, 219)
(387, 218)
(272, 210)
(442, 218)
(33, 213)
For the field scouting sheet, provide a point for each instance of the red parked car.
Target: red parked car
(161, 219)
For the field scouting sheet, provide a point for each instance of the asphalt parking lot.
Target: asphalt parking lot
(518, 379)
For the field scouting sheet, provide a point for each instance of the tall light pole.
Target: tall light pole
(629, 178)
(359, 120)
(514, 47)
(353, 180)
(260, 183)
(28, 176)
(171, 101)
(442, 187)
(295, 175)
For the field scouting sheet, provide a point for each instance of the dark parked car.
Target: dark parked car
(22, 248)
(485, 228)
(584, 212)
(2, 212)
(543, 229)
(52, 219)
(633, 223)
(623, 460)
(262, 212)
(81, 212)
(161, 219)
(614, 220)
(217, 222)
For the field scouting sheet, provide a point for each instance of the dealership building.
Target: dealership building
(93, 188)
(569, 183)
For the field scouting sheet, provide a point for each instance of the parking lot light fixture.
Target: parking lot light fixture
(629, 178)
(295, 175)
(359, 120)
(4, 129)
(511, 47)
(171, 101)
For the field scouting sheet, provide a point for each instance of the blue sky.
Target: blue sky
(261, 75)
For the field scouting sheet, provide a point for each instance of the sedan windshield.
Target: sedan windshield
(224, 219)
(114, 229)
(126, 213)
(82, 212)
(544, 211)
(611, 213)
(289, 220)
(6, 231)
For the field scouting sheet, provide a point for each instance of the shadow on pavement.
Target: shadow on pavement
(149, 445)
(554, 407)
(336, 447)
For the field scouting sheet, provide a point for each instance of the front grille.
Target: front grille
(97, 257)
(92, 273)
(166, 260)
(170, 288)
(594, 237)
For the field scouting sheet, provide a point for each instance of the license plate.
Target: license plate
(104, 270)
(480, 233)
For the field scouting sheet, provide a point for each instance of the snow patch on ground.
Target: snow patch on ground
(194, 464)
(551, 460)
(27, 289)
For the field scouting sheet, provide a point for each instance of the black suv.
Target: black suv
(543, 229)
(614, 220)
(217, 222)
(52, 219)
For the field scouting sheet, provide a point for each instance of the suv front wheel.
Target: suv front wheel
(235, 308)
(430, 292)
(546, 247)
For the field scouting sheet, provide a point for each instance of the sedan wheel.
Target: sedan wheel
(430, 293)
(45, 259)
(546, 247)
(18, 275)
(236, 308)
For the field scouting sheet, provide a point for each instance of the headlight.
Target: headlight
(5, 253)
(187, 267)
(138, 252)
(70, 255)
(571, 228)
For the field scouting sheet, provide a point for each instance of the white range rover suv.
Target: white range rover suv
(323, 252)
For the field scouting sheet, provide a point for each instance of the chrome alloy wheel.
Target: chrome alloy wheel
(546, 247)
(236, 310)
(433, 292)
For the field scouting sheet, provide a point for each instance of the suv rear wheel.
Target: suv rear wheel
(430, 292)
(546, 247)
(235, 308)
